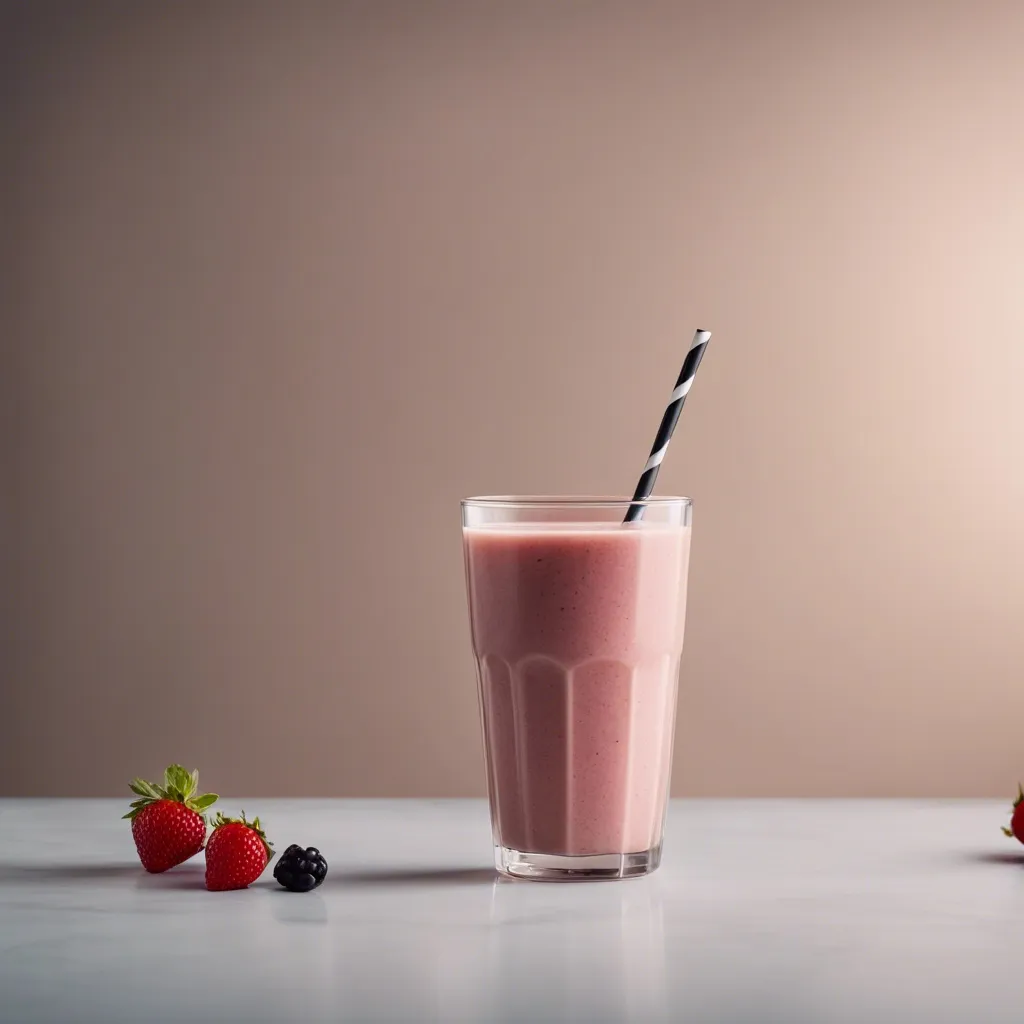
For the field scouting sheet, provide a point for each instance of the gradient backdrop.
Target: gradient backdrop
(281, 282)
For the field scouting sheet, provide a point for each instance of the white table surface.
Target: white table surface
(788, 911)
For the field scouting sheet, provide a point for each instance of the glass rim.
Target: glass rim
(571, 501)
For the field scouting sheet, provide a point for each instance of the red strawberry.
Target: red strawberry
(168, 823)
(1016, 829)
(236, 853)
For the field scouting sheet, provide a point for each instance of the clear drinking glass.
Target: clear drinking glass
(577, 623)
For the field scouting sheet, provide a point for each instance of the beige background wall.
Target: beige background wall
(282, 282)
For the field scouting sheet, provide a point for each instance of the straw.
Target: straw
(668, 424)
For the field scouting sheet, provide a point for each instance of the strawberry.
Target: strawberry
(236, 853)
(1016, 829)
(168, 823)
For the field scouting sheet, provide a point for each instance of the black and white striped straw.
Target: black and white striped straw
(668, 424)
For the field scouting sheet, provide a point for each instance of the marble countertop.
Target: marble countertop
(789, 911)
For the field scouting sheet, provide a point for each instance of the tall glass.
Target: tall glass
(577, 624)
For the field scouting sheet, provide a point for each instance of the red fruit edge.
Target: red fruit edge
(1009, 832)
(222, 819)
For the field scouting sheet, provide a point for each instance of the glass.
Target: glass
(577, 624)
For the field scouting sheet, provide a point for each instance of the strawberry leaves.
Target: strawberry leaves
(144, 788)
(178, 786)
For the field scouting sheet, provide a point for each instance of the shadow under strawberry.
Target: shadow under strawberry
(54, 874)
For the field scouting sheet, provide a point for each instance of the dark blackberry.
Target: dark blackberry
(300, 869)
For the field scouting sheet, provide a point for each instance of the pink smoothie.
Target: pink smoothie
(578, 630)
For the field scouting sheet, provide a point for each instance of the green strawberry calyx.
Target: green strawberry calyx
(222, 819)
(179, 786)
(1016, 803)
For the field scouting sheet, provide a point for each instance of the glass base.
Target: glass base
(548, 867)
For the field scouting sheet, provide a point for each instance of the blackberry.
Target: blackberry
(300, 869)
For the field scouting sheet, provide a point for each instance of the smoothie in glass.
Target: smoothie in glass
(577, 623)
